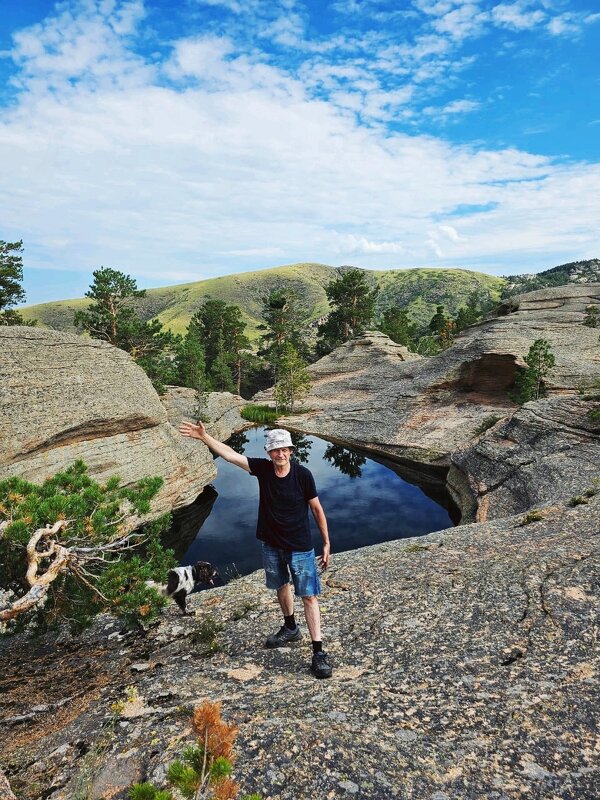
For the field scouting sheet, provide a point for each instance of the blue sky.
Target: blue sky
(183, 140)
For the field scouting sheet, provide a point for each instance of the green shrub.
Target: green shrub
(184, 777)
(532, 516)
(578, 500)
(259, 414)
(147, 791)
(206, 634)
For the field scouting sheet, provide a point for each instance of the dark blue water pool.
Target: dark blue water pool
(365, 501)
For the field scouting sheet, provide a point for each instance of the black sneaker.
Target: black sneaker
(284, 636)
(321, 666)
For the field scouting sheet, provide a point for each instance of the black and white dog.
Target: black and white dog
(181, 581)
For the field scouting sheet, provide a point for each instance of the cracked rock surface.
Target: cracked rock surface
(466, 665)
(549, 450)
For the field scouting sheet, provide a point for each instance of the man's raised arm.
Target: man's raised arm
(228, 453)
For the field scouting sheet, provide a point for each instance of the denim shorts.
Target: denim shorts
(281, 564)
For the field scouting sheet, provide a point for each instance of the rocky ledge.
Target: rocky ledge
(466, 667)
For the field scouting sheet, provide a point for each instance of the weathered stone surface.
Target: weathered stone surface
(370, 392)
(222, 409)
(466, 666)
(548, 450)
(65, 397)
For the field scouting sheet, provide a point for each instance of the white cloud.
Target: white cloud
(515, 16)
(360, 245)
(460, 107)
(452, 233)
(436, 8)
(90, 46)
(465, 21)
(286, 30)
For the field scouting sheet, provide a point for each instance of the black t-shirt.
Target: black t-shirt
(283, 505)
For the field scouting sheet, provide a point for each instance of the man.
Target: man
(287, 491)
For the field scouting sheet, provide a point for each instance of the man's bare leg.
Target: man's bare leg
(313, 617)
(286, 599)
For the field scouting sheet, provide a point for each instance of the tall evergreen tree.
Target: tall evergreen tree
(478, 303)
(529, 383)
(110, 315)
(191, 360)
(222, 330)
(397, 325)
(353, 306)
(438, 321)
(293, 378)
(112, 318)
(11, 276)
(281, 326)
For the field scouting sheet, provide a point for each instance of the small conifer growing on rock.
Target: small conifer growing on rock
(204, 770)
(70, 549)
(529, 383)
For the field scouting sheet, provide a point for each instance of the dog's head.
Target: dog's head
(203, 572)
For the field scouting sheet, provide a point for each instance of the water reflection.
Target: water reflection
(238, 441)
(365, 501)
(349, 462)
(302, 445)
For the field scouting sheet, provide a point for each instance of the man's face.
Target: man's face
(280, 456)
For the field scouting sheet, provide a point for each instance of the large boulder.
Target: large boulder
(221, 409)
(549, 450)
(66, 397)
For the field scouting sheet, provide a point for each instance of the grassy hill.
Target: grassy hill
(419, 290)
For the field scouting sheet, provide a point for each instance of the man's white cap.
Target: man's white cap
(277, 438)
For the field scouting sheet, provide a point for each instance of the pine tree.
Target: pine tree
(69, 549)
(397, 325)
(282, 326)
(478, 303)
(353, 306)
(190, 359)
(294, 380)
(11, 276)
(529, 383)
(112, 318)
(222, 331)
(220, 373)
(438, 321)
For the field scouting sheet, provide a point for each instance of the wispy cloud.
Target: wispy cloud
(359, 245)
(517, 15)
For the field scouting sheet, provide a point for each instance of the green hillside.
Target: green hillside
(420, 290)
(573, 272)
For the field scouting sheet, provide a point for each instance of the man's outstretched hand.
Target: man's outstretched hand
(195, 431)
